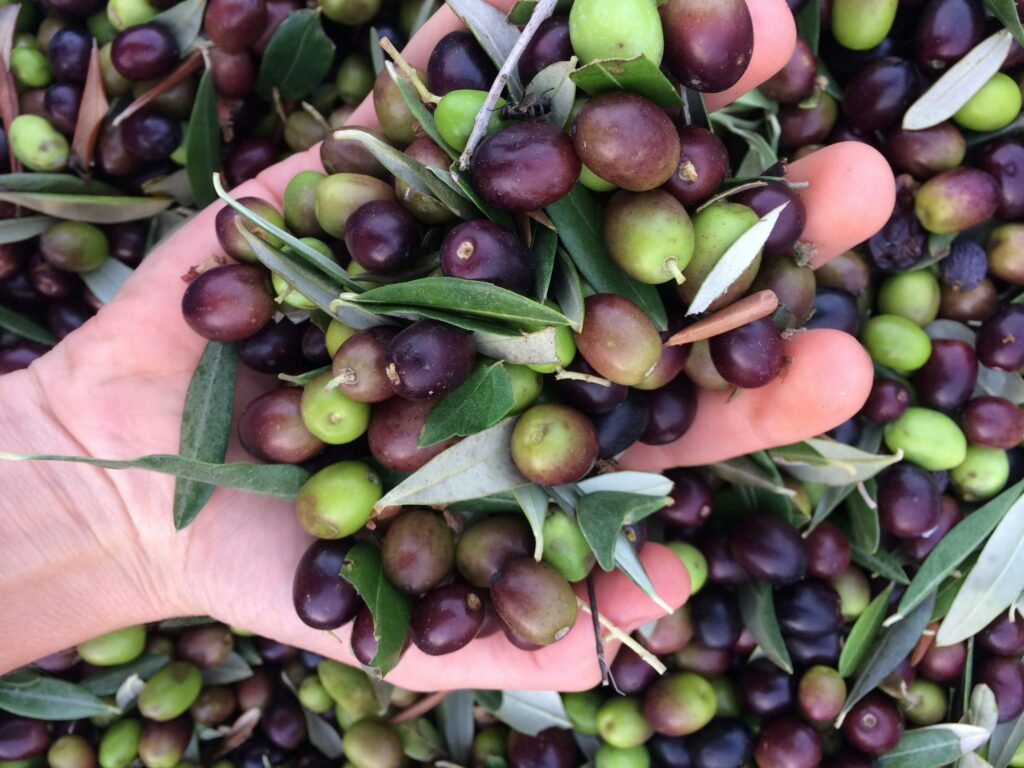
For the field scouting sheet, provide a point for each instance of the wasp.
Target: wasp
(533, 106)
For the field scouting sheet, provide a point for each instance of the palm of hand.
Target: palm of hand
(118, 386)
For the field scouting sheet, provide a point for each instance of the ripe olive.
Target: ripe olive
(554, 444)
(429, 359)
(394, 432)
(418, 551)
(534, 600)
(708, 43)
(272, 430)
(485, 547)
(359, 365)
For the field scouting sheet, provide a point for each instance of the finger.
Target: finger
(825, 383)
(850, 195)
(774, 41)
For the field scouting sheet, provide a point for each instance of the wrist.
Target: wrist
(73, 564)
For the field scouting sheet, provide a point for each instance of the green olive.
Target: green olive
(621, 722)
(526, 386)
(982, 474)
(338, 196)
(566, 548)
(593, 182)
(350, 688)
(862, 24)
(354, 80)
(31, 68)
(170, 691)
(330, 414)
(338, 500)
(993, 107)
(616, 29)
(914, 295)
(928, 438)
(314, 695)
(615, 757)
(117, 647)
(119, 745)
(649, 235)
(127, 13)
(456, 113)
(337, 334)
(582, 707)
(37, 144)
(925, 703)
(896, 342)
(695, 563)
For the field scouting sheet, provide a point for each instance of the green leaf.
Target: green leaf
(934, 746)
(555, 84)
(484, 399)
(1006, 739)
(205, 425)
(478, 466)
(54, 183)
(455, 716)
(577, 217)
(523, 10)
(528, 712)
(993, 585)
(959, 83)
(956, 546)
(21, 326)
(421, 741)
(470, 297)
(758, 609)
(231, 670)
(863, 633)
(536, 348)
(568, 290)
(602, 514)
(324, 736)
(745, 471)
(628, 561)
(388, 606)
(638, 75)
(183, 20)
(412, 314)
(1006, 12)
(496, 35)
(30, 694)
(880, 563)
(808, 25)
(864, 527)
(281, 481)
(106, 281)
(96, 209)
(25, 228)
(203, 143)
(829, 462)
(108, 680)
(892, 647)
(533, 500)
(297, 58)
(411, 171)
(545, 246)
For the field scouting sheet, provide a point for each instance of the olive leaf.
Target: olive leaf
(568, 290)
(695, 109)
(893, 645)
(533, 501)
(934, 746)
(25, 228)
(953, 548)
(1006, 12)
(536, 348)
(1006, 740)
(808, 25)
(642, 483)
(865, 530)
(628, 561)
(106, 281)
(494, 33)
(746, 472)
(523, 9)
(96, 209)
(183, 20)
(556, 84)
(203, 143)
(109, 679)
(423, 116)
(231, 670)
(880, 563)
(1006, 384)
(455, 716)
(528, 712)
(959, 84)
(637, 75)
(30, 694)
(863, 633)
(92, 112)
(481, 401)
(323, 735)
(757, 606)
(280, 481)
(469, 297)
(577, 217)
(601, 515)
(545, 249)
(480, 465)
(827, 461)
(421, 741)
(297, 58)
(21, 326)
(735, 261)
(388, 606)
(410, 171)
(54, 183)
(994, 584)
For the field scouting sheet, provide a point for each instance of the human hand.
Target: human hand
(116, 387)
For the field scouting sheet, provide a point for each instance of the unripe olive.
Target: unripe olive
(350, 688)
(117, 647)
(338, 500)
(993, 107)
(350, 12)
(695, 563)
(373, 744)
(330, 414)
(340, 194)
(928, 438)
(896, 342)
(300, 204)
(30, 67)
(554, 444)
(914, 295)
(424, 208)
(314, 696)
(534, 600)
(982, 474)
(956, 200)
(163, 744)
(615, 29)
(71, 751)
(489, 743)
(615, 757)
(394, 116)
(649, 235)
(354, 80)
(1005, 249)
(582, 708)
(925, 703)
(127, 13)
(170, 691)
(526, 386)
(716, 228)
(456, 113)
(618, 339)
(679, 704)
(206, 646)
(821, 694)
(566, 548)
(37, 145)
(621, 722)
(120, 744)
(337, 334)
(854, 592)
(862, 24)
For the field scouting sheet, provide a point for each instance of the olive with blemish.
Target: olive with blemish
(927, 152)
(534, 600)
(418, 551)
(483, 250)
(703, 166)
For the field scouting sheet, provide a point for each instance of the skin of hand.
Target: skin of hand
(87, 551)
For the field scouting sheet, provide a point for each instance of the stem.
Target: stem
(602, 662)
(625, 639)
(409, 71)
(672, 267)
(320, 119)
(564, 375)
(543, 10)
(419, 707)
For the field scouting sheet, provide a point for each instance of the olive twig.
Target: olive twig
(407, 69)
(419, 707)
(602, 662)
(623, 637)
(543, 10)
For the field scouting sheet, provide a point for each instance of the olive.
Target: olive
(697, 658)
(670, 751)
(484, 547)
(957, 199)
(525, 166)
(272, 430)
(74, 246)
(72, 750)
(722, 567)
(908, 501)
(22, 738)
(119, 745)
(1001, 339)
(587, 396)
(394, 432)
(534, 600)
(821, 694)
(235, 24)
(749, 356)
(708, 43)
(795, 81)
(554, 444)
(170, 691)
(794, 286)
(945, 664)
(878, 95)
(703, 166)
(163, 744)
(351, 156)
(679, 704)
(1004, 636)
(627, 140)
(458, 62)
(622, 426)
(214, 705)
(205, 646)
(887, 401)
(672, 410)
(618, 340)
(341, 194)
(788, 743)
(566, 548)
(276, 348)
(446, 619)
(233, 73)
(808, 609)
(982, 474)
(993, 107)
(769, 549)
(608, 756)
(715, 617)
(613, 29)
(764, 689)
(382, 236)
(550, 44)
(144, 52)
(359, 365)
(977, 304)
(947, 380)
(828, 551)
(396, 121)
(723, 742)
(551, 748)
(691, 499)
(373, 744)
(946, 31)
(113, 648)
(418, 551)
(1003, 160)
(874, 724)
(716, 228)
(621, 722)
(928, 152)
(429, 359)
(424, 208)
(338, 500)
(859, 25)
(925, 703)
(354, 80)
(483, 250)
(649, 235)
(896, 342)
(803, 126)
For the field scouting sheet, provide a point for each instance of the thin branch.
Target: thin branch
(184, 70)
(615, 633)
(419, 707)
(409, 71)
(602, 662)
(543, 10)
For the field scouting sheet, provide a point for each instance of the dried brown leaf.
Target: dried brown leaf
(90, 115)
(189, 66)
(746, 310)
